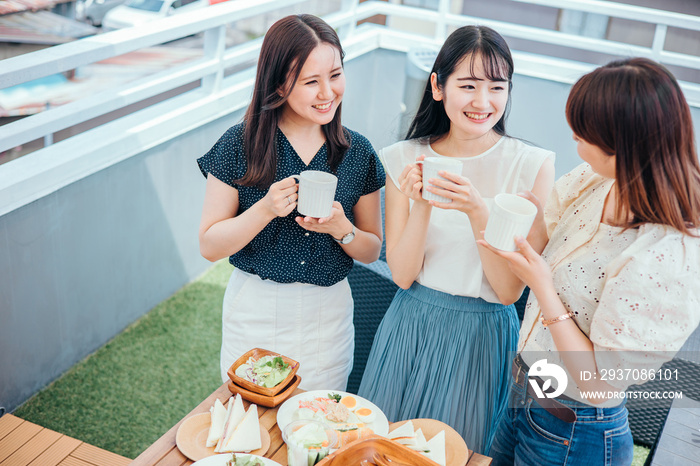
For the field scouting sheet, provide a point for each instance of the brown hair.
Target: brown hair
(284, 51)
(635, 109)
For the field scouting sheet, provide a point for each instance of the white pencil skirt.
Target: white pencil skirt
(311, 324)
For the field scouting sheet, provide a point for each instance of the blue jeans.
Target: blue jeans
(529, 435)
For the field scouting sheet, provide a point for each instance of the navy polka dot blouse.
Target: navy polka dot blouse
(283, 251)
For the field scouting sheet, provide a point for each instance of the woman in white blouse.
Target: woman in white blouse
(444, 346)
(616, 286)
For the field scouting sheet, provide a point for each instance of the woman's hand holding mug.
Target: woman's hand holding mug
(459, 190)
(336, 224)
(281, 198)
(411, 180)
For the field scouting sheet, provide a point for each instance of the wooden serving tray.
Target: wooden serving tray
(257, 353)
(262, 400)
(365, 449)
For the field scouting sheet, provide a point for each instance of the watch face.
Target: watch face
(347, 238)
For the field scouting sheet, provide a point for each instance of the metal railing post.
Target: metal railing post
(48, 138)
(441, 24)
(214, 46)
(657, 45)
(348, 5)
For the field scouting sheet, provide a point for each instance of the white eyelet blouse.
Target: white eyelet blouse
(635, 293)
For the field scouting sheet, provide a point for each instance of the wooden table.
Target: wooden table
(25, 443)
(164, 451)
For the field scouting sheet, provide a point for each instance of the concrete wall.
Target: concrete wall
(373, 96)
(537, 115)
(81, 264)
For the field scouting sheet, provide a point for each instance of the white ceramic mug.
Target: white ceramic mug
(510, 216)
(316, 193)
(431, 167)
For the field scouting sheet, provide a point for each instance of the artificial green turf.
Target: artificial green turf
(132, 390)
(640, 455)
(135, 388)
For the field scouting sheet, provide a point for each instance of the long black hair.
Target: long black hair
(284, 51)
(472, 43)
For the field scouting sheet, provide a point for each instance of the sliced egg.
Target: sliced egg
(365, 414)
(349, 401)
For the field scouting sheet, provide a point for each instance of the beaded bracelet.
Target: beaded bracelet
(545, 323)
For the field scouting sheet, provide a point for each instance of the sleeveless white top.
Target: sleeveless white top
(452, 262)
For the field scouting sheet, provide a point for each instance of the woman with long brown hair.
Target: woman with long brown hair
(289, 292)
(615, 292)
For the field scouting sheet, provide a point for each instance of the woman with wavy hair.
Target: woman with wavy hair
(616, 286)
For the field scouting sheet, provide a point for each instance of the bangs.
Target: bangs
(495, 66)
(578, 114)
(591, 111)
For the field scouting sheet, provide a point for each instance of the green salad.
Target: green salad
(268, 371)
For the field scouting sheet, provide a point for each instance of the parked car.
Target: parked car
(93, 11)
(135, 12)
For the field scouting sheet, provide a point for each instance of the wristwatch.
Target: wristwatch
(347, 238)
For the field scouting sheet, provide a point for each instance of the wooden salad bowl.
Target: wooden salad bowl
(257, 353)
(262, 400)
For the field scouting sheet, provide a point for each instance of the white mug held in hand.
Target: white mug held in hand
(510, 216)
(431, 167)
(316, 193)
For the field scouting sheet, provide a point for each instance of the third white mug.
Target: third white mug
(510, 216)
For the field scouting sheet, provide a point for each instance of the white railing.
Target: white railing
(547, 36)
(216, 57)
(212, 21)
(661, 19)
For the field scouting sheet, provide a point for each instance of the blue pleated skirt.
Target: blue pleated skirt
(443, 357)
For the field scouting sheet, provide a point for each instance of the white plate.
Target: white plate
(220, 460)
(380, 425)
